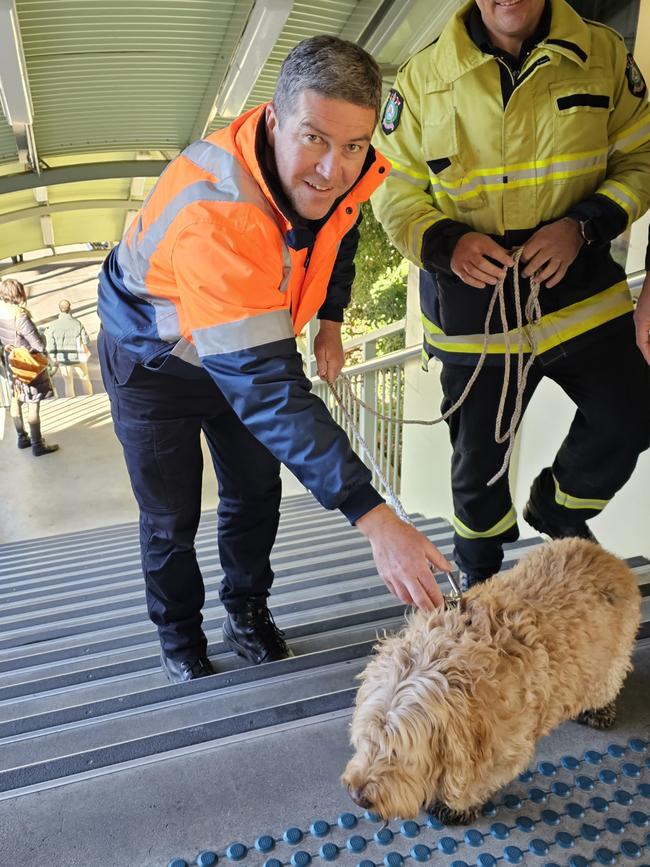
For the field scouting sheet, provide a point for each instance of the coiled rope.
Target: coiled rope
(532, 313)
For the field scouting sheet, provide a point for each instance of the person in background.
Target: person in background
(17, 329)
(69, 345)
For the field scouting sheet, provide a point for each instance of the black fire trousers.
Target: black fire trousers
(158, 420)
(609, 382)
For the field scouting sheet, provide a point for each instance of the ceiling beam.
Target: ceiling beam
(64, 207)
(263, 28)
(15, 96)
(29, 264)
(79, 173)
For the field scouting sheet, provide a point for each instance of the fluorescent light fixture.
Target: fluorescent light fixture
(137, 188)
(385, 25)
(47, 231)
(397, 31)
(264, 25)
(14, 86)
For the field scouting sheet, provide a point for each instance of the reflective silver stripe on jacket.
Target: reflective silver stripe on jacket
(232, 184)
(244, 333)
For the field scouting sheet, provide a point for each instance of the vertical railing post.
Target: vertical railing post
(368, 422)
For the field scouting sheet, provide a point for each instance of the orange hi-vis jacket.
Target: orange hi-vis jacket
(211, 254)
(212, 276)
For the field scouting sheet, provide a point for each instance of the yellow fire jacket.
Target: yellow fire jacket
(571, 137)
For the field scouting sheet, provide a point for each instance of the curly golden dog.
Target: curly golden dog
(450, 709)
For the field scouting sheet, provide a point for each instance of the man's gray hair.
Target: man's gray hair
(64, 305)
(331, 67)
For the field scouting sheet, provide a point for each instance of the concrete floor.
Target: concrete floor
(206, 799)
(85, 484)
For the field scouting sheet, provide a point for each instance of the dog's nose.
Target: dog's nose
(359, 799)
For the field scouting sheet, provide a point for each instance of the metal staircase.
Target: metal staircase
(82, 694)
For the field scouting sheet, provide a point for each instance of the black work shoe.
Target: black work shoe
(42, 448)
(556, 531)
(252, 633)
(182, 670)
(467, 580)
(24, 442)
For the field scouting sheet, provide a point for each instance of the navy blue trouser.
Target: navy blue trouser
(609, 382)
(158, 419)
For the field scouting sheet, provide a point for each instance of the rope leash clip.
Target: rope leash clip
(453, 598)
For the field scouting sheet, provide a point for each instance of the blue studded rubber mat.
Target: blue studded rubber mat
(593, 810)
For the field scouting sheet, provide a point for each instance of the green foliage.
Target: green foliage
(379, 290)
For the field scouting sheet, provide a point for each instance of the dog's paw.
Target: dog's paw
(598, 718)
(449, 816)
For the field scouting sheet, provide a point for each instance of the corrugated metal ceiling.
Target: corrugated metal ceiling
(123, 74)
(121, 80)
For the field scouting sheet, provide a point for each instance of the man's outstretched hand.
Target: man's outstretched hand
(404, 557)
(328, 350)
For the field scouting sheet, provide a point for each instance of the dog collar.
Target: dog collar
(452, 599)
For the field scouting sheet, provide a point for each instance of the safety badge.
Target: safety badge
(635, 80)
(392, 112)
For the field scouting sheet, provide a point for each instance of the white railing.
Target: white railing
(379, 383)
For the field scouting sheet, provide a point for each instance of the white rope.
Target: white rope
(532, 313)
(452, 598)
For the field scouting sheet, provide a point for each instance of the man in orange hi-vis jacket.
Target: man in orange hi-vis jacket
(246, 236)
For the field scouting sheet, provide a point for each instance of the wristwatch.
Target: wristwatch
(587, 231)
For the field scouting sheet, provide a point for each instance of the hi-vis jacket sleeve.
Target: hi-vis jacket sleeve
(403, 203)
(624, 195)
(241, 325)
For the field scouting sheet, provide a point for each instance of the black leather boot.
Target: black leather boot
(39, 446)
(467, 580)
(182, 670)
(556, 531)
(24, 442)
(252, 633)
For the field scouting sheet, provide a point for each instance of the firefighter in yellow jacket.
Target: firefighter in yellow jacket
(524, 125)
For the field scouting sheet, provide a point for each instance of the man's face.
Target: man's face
(319, 150)
(510, 19)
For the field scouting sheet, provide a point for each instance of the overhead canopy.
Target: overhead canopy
(98, 96)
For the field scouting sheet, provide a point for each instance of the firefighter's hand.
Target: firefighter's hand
(471, 260)
(403, 556)
(550, 252)
(642, 319)
(328, 349)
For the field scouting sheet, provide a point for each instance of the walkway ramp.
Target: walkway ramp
(92, 734)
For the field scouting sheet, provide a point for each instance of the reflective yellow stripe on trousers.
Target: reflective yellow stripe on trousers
(508, 520)
(570, 502)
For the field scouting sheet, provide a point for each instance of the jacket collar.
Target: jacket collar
(457, 54)
(479, 35)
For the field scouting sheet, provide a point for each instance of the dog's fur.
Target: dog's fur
(450, 709)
